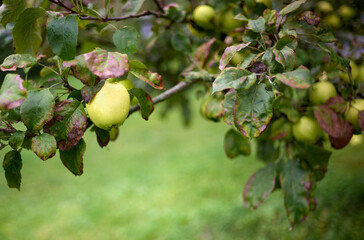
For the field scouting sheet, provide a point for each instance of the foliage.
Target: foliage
(285, 48)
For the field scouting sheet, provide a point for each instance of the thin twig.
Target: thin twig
(159, 5)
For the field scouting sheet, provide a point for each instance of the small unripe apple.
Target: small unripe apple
(360, 77)
(267, 3)
(324, 6)
(228, 23)
(306, 130)
(195, 31)
(354, 72)
(110, 106)
(320, 92)
(204, 16)
(237, 58)
(333, 20)
(347, 12)
(352, 112)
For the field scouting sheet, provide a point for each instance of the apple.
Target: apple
(237, 58)
(355, 71)
(110, 106)
(356, 140)
(195, 31)
(360, 77)
(307, 130)
(227, 21)
(267, 3)
(320, 92)
(352, 112)
(204, 16)
(324, 6)
(347, 12)
(333, 20)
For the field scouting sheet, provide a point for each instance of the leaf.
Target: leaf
(265, 150)
(259, 186)
(180, 42)
(145, 102)
(286, 57)
(140, 71)
(291, 7)
(241, 17)
(341, 63)
(229, 53)
(88, 93)
(12, 92)
(103, 136)
(16, 140)
(310, 17)
(361, 120)
(296, 187)
(249, 59)
(106, 64)
(62, 36)
(174, 12)
(342, 141)
(131, 7)
(281, 129)
(329, 121)
(44, 146)
(125, 39)
(81, 71)
(299, 78)
(27, 33)
(235, 144)
(12, 165)
(251, 110)
(234, 78)
(73, 159)
(10, 11)
(69, 123)
(15, 61)
(212, 108)
(337, 104)
(37, 109)
(203, 52)
(286, 41)
(258, 25)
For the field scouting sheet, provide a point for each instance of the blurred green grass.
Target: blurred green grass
(160, 180)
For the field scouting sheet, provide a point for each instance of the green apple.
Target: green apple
(237, 58)
(307, 130)
(355, 71)
(333, 20)
(320, 92)
(227, 21)
(324, 6)
(352, 112)
(347, 12)
(267, 3)
(356, 140)
(195, 31)
(110, 106)
(128, 84)
(360, 77)
(204, 16)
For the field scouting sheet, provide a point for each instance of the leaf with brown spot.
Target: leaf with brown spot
(229, 53)
(12, 93)
(80, 71)
(361, 120)
(140, 71)
(310, 17)
(347, 133)
(44, 146)
(72, 159)
(299, 78)
(15, 61)
(337, 104)
(329, 121)
(202, 53)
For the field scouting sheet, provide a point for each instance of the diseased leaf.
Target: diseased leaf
(202, 53)
(337, 104)
(310, 17)
(10, 10)
(258, 25)
(259, 186)
(88, 93)
(103, 136)
(44, 146)
(62, 36)
(69, 123)
(106, 64)
(291, 7)
(212, 108)
(145, 102)
(37, 109)
(27, 33)
(344, 139)
(15, 61)
(248, 60)
(234, 78)
(241, 17)
(229, 53)
(12, 165)
(286, 57)
(131, 7)
(329, 121)
(140, 71)
(174, 12)
(296, 187)
(235, 144)
(81, 71)
(281, 129)
(361, 120)
(12, 92)
(125, 39)
(73, 159)
(299, 78)
(16, 140)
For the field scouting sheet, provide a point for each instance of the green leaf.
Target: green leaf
(103, 136)
(291, 7)
(235, 144)
(259, 186)
(10, 10)
(68, 124)
(258, 25)
(16, 140)
(241, 17)
(212, 107)
(125, 39)
(27, 33)
(203, 53)
(12, 165)
(106, 64)
(341, 63)
(131, 7)
(140, 71)
(174, 12)
(37, 109)
(81, 71)
(73, 159)
(62, 36)
(296, 187)
(12, 93)
(286, 57)
(299, 78)
(44, 146)
(180, 42)
(248, 60)
(15, 61)
(234, 78)
(145, 102)
(281, 129)
(249, 110)
(229, 53)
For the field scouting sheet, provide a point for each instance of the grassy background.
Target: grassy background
(160, 180)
